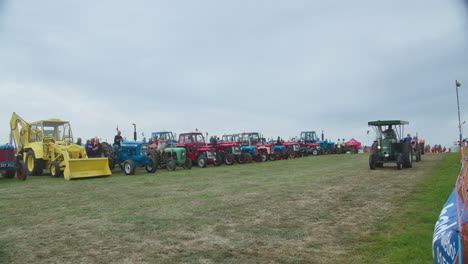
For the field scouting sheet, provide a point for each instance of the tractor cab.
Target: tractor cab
(169, 136)
(52, 130)
(390, 145)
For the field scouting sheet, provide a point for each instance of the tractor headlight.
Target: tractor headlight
(379, 147)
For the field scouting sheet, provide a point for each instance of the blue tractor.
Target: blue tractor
(311, 137)
(129, 155)
(11, 164)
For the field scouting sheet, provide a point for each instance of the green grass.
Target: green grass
(325, 209)
(406, 236)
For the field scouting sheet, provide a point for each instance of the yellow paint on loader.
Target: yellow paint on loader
(85, 168)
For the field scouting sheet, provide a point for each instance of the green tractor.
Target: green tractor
(390, 145)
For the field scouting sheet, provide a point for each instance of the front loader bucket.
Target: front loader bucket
(85, 168)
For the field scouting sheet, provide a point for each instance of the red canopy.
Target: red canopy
(353, 142)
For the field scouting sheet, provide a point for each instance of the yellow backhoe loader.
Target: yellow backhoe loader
(49, 144)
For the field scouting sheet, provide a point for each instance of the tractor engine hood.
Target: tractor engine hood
(205, 148)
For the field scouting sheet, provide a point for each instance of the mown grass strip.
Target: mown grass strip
(406, 237)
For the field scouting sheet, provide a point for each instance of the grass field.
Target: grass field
(325, 209)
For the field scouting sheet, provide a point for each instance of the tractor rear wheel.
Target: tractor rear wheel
(171, 164)
(229, 159)
(407, 155)
(418, 156)
(34, 165)
(21, 173)
(153, 161)
(202, 161)
(108, 152)
(129, 167)
(187, 164)
(372, 162)
(55, 169)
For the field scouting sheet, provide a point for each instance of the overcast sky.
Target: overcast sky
(277, 67)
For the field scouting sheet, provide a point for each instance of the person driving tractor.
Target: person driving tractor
(389, 133)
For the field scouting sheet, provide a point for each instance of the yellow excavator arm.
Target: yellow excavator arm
(20, 131)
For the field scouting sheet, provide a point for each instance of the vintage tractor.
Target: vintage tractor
(389, 145)
(309, 148)
(251, 144)
(129, 155)
(47, 144)
(230, 150)
(292, 150)
(197, 149)
(172, 156)
(11, 164)
(311, 137)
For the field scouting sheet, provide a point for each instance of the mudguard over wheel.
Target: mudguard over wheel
(128, 167)
(34, 165)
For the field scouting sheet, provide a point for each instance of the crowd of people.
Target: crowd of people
(93, 147)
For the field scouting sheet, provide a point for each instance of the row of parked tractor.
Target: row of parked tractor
(48, 144)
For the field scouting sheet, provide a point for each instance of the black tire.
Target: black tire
(108, 152)
(372, 162)
(229, 159)
(9, 174)
(35, 166)
(315, 152)
(407, 155)
(418, 156)
(202, 161)
(171, 164)
(187, 164)
(264, 157)
(272, 157)
(218, 160)
(55, 169)
(152, 166)
(292, 155)
(399, 162)
(21, 173)
(128, 167)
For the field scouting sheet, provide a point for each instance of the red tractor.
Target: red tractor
(292, 150)
(197, 149)
(230, 150)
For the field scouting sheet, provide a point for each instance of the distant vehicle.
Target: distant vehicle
(390, 145)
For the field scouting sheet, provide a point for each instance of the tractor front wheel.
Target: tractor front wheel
(272, 157)
(187, 164)
(292, 155)
(399, 162)
(229, 159)
(171, 164)
(218, 160)
(264, 157)
(129, 167)
(33, 164)
(248, 158)
(55, 169)
(372, 162)
(202, 160)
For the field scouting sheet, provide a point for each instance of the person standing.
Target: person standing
(78, 142)
(118, 138)
(408, 138)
